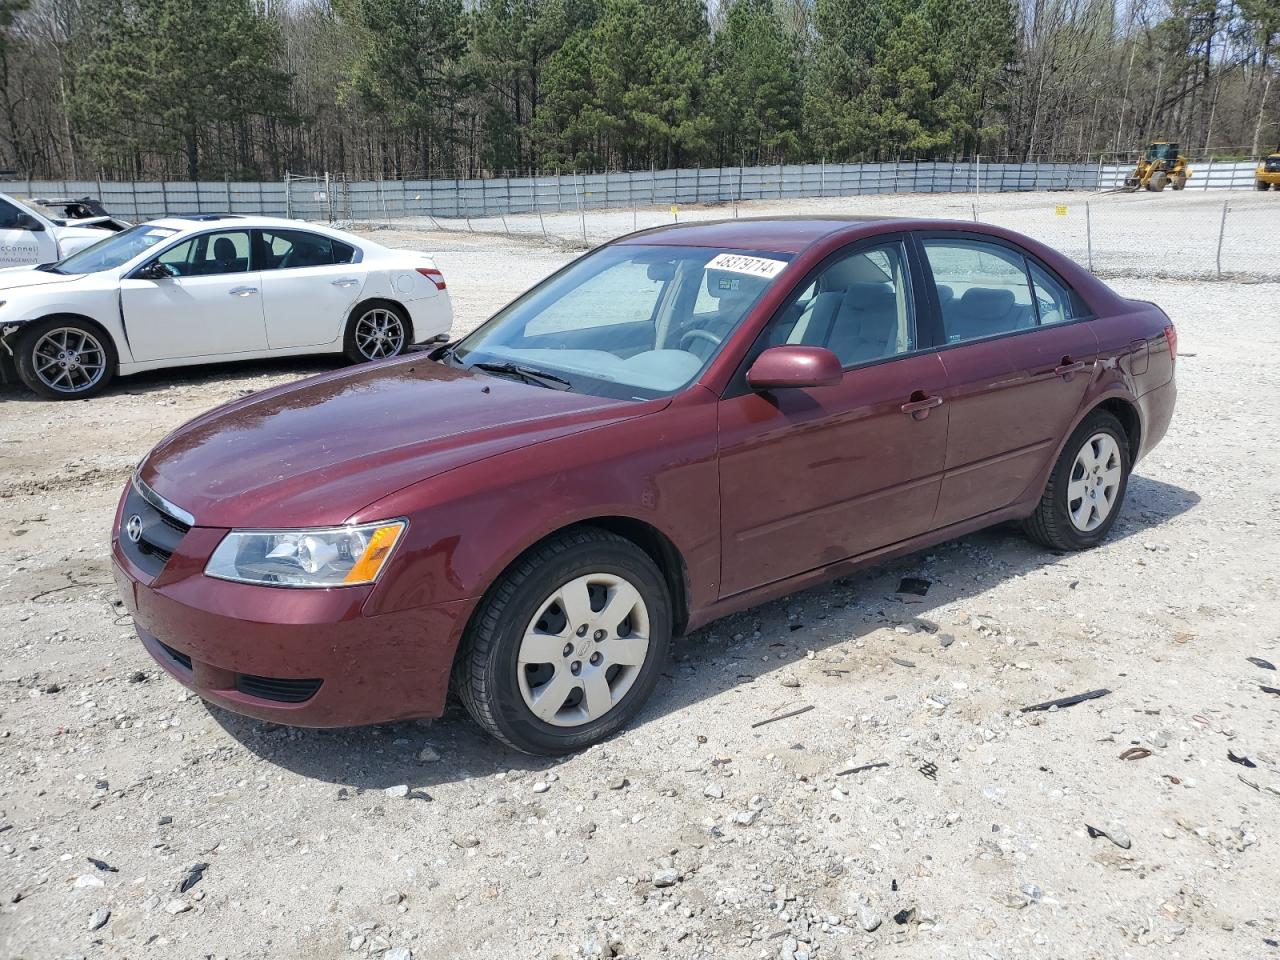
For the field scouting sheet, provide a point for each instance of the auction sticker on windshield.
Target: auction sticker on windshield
(740, 263)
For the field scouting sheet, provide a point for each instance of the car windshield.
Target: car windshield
(114, 251)
(628, 321)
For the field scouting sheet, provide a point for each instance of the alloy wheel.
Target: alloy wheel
(379, 334)
(69, 360)
(583, 649)
(1095, 482)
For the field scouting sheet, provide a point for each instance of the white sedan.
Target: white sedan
(213, 288)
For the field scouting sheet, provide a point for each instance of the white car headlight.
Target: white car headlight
(330, 557)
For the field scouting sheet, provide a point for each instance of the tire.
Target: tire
(65, 358)
(379, 318)
(1261, 185)
(1156, 183)
(1179, 182)
(1055, 523)
(498, 675)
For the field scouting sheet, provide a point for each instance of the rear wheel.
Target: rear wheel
(1180, 181)
(567, 644)
(1157, 182)
(65, 359)
(377, 330)
(1083, 496)
(1261, 185)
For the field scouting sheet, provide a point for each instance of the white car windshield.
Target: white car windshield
(114, 251)
(627, 321)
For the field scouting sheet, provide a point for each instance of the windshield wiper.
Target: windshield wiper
(527, 374)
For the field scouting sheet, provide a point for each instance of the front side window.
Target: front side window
(628, 321)
(859, 307)
(9, 215)
(982, 289)
(115, 250)
(209, 254)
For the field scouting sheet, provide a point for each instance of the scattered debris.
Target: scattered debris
(929, 769)
(1274, 690)
(1116, 834)
(1243, 761)
(195, 873)
(904, 916)
(915, 586)
(1067, 701)
(667, 877)
(103, 865)
(863, 768)
(99, 918)
(1135, 753)
(1259, 662)
(902, 663)
(783, 716)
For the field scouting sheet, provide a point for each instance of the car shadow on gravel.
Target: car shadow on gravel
(725, 654)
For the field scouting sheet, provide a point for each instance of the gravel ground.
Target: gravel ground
(912, 812)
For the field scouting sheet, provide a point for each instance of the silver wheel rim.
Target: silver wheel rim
(583, 650)
(1095, 482)
(379, 333)
(69, 360)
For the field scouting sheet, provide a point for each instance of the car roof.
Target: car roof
(792, 234)
(207, 221)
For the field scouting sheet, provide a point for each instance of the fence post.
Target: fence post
(1222, 230)
(1088, 234)
(288, 197)
(582, 213)
(227, 181)
(1208, 173)
(164, 198)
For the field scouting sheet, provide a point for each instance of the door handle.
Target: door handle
(919, 405)
(242, 291)
(345, 282)
(1068, 366)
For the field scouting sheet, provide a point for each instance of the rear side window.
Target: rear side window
(982, 289)
(293, 249)
(1054, 301)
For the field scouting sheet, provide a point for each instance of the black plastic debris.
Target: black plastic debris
(103, 865)
(194, 875)
(1243, 761)
(915, 586)
(1274, 690)
(903, 917)
(1259, 662)
(782, 716)
(929, 769)
(1067, 701)
(796, 626)
(862, 769)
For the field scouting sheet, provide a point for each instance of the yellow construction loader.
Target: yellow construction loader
(1268, 173)
(1161, 165)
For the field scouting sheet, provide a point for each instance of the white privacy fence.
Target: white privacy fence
(329, 199)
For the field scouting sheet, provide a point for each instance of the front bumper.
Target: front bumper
(302, 657)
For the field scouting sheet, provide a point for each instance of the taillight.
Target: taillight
(434, 275)
(1171, 334)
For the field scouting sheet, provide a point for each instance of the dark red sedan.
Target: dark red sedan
(678, 425)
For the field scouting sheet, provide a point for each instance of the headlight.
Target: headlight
(332, 557)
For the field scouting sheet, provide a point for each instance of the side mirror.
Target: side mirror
(155, 270)
(794, 366)
(27, 222)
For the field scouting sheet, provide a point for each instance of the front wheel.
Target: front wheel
(1083, 496)
(1261, 185)
(567, 644)
(65, 359)
(376, 330)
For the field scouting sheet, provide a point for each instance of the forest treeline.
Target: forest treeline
(249, 89)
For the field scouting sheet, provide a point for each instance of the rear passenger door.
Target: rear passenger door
(1019, 353)
(309, 285)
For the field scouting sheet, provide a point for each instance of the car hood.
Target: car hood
(315, 452)
(14, 278)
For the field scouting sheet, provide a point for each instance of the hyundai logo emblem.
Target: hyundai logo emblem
(133, 528)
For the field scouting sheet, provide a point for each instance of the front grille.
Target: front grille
(279, 689)
(178, 656)
(160, 532)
